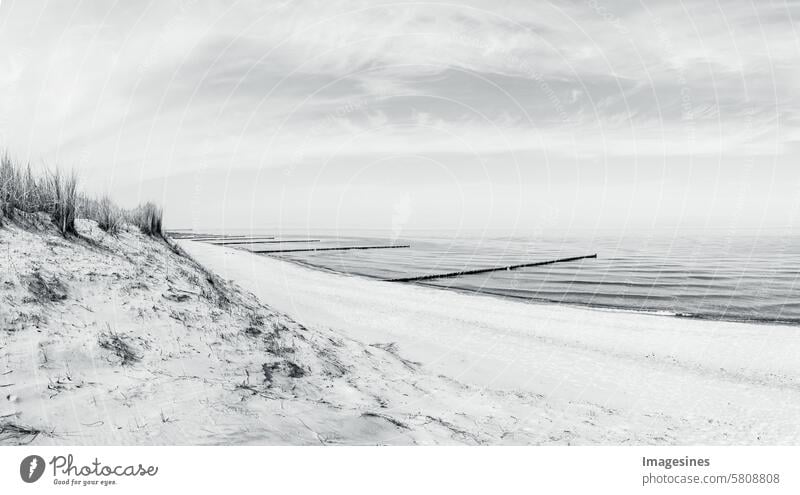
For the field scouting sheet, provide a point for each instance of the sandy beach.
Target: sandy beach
(132, 339)
(125, 340)
(620, 377)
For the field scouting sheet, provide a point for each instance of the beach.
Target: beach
(125, 339)
(134, 339)
(660, 379)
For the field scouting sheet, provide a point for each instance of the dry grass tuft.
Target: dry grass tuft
(13, 433)
(148, 218)
(46, 289)
(118, 346)
(62, 191)
(108, 216)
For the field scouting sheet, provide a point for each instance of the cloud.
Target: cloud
(157, 86)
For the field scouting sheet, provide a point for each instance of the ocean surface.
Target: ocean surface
(740, 277)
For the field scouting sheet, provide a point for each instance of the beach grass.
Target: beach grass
(56, 193)
(61, 190)
(148, 217)
(108, 215)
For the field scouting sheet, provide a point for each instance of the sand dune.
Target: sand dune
(662, 379)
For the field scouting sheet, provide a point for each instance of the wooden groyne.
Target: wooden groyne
(204, 238)
(197, 236)
(178, 235)
(328, 249)
(275, 241)
(185, 235)
(224, 239)
(487, 270)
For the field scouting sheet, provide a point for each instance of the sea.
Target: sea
(751, 276)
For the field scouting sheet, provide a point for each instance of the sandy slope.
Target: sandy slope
(581, 375)
(121, 340)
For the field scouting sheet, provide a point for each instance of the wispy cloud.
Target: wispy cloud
(164, 82)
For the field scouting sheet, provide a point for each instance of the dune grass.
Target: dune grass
(20, 189)
(56, 193)
(148, 217)
(62, 191)
(108, 216)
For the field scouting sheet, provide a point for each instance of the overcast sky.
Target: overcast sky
(405, 115)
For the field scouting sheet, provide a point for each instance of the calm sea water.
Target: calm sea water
(739, 277)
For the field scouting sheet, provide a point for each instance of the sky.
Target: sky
(520, 116)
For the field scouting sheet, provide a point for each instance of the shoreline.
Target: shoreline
(536, 301)
(126, 339)
(131, 340)
(697, 373)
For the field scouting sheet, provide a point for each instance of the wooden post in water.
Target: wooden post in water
(213, 237)
(328, 249)
(487, 270)
(256, 241)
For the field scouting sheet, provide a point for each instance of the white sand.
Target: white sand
(619, 377)
(320, 358)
